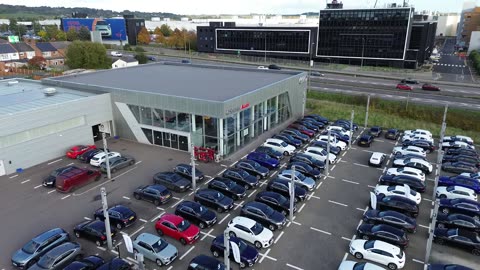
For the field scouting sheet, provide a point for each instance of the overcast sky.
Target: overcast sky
(233, 6)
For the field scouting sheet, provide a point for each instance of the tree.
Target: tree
(160, 38)
(36, 27)
(43, 35)
(13, 25)
(72, 34)
(166, 30)
(36, 62)
(157, 31)
(61, 36)
(192, 40)
(21, 30)
(3, 27)
(90, 55)
(141, 58)
(84, 33)
(143, 36)
(52, 31)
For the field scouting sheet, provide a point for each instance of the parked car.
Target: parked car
(185, 170)
(462, 151)
(338, 129)
(384, 233)
(305, 169)
(377, 159)
(459, 138)
(115, 53)
(304, 182)
(475, 161)
(178, 228)
(50, 180)
(275, 200)
(101, 157)
(296, 134)
(427, 146)
(430, 87)
(418, 131)
(303, 129)
(318, 124)
(409, 81)
(365, 140)
(31, 252)
(318, 118)
(117, 163)
(204, 262)
(116, 264)
(248, 254)
(264, 214)
(241, 177)
(324, 144)
(413, 182)
(315, 163)
(403, 86)
(87, 263)
(460, 206)
(273, 66)
(471, 175)
(253, 168)
(172, 181)
(120, 216)
(460, 180)
(415, 163)
(454, 192)
(77, 150)
(320, 154)
(250, 231)
(461, 221)
(227, 187)
(196, 213)
(375, 131)
(338, 135)
(407, 171)
(459, 167)
(316, 74)
(93, 230)
(88, 155)
(214, 199)
(404, 156)
(308, 125)
(353, 265)
(458, 237)
(409, 150)
(59, 257)
(289, 139)
(457, 144)
(333, 141)
(157, 194)
(396, 203)
(393, 218)
(392, 134)
(447, 266)
(378, 251)
(281, 186)
(270, 152)
(264, 160)
(347, 123)
(155, 249)
(415, 137)
(75, 178)
(399, 190)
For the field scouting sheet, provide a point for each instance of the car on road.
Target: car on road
(157, 194)
(459, 138)
(324, 144)
(427, 146)
(214, 199)
(30, 253)
(415, 163)
(50, 180)
(101, 157)
(392, 134)
(273, 66)
(399, 191)
(120, 216)
(378, 251)
(276, 201)
(352, 265)
(303, 129)
(115, 53)
(78, 150)
(178, 228)
(409, 150)
(384, 233)
(87, 263)
(375, 131)
(315, 163)
(185, 170)
(454, 192)
(437, 266)
(155, 249)
(75, 178)
(262, 67)
(196, 213)
(430, 87)
(365, 140)
(172, 181)
(462, 151)
(227, 187)
(457, 221)
(320, 154)
(270, 152)
(396, 203)
(250, 231)
(248, 254)
(305, 169)
(264, 160)
(457, 144)
(460, 206)
(413, 182)
(333, 141)
(289, 139)
(264, 214)
(296, 134)
(458, 237)
(281, 186)
(253, 168)
(59, 257)
(407, 171)
(404, 86)
(475, 161)
(409, 81)
(304, 182)
(94, 231)
(393, 218)
(459, 167)
(117, 163)
(204, 262)
(241, 177)
(377, 159)
(316, 74)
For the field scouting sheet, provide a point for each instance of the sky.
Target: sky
(238, 7)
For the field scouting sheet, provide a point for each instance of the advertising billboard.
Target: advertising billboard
(110, 29)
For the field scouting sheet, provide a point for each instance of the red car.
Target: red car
(77, 150)
(430, 87)
(304, 130)
(178, 228)
(403, 86)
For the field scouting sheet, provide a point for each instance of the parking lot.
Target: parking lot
(318, 237)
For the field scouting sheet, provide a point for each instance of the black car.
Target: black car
(196, 213)
(296, 135)
(185, 170)
(384, 232)
(204, 262)
(457, 221)
(336, 133)
(117, 163)
(344, 121)
(253, 168)
(308, 125)
(248, 254)
(275, 200)
(157, 194)
(172, 181)
(392, 218)
(241, 177)
(87, 263)
(94, 231)
(404, 156)
(447, 267)
(264, 214)
(397, 203)
(116, 264)
(272, 66)
(412, 182)
(50, 180)
(425, 145)
(288, 139)
(322, 144)
(365, 140)
(409, 81)
(228, 187)
(312, 121)
(375, 131)
(214, 199)
(305, 169)
(281, 186)
(120, 216)
(462, 151)
(392, 134)
(464, 158)
(316, 164)
(318, 118)
(459, 167)
(87, 156)
(458, 237)
(270, 152)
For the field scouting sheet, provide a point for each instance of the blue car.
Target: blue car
(253, 168)
(264, 160)
(288, 139)
(335, 133)
(305, 169)
(322, 144)
(308, 125)
(269, 151)
(248, 254)
(296, 134)
(318, 118)
(461, 206)
(460, 180)
(319, 124)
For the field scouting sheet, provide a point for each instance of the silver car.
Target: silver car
(59, 257)
(305, 182)
(155, 249)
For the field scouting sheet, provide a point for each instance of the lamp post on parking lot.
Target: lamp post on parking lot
(430, 233)
(104, 140)
(327, 162)
(366, 113)
(292, 193)
(103, 194)
(351, 129)
(226, 240)
(194, 180)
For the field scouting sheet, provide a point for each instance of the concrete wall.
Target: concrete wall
(447, 25)
(474, 41)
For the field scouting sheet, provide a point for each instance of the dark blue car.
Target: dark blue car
(322, 144)
(317, 164)
(318, 118)
(460, 180)
(296, 134)
(308, 125)
(288, 139)
(248, 254)
(87, 263)
(241, 177)
(335, 133)
(305, 169)
(253, 168)
(447, 267)
(461, 206)
(264, 160)
(269, 151)
(318, 124)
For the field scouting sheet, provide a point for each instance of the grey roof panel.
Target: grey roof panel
(7, 48)
(22, 47)
(45, 47)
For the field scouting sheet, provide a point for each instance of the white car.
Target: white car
(399, 191)
(418, 132)
(407, 171)
(378, 251)
(352, 265)
(340, 129)
(457, 144)
(471, 175)
(416, 163)
(262, 67)
(320, 154)
(115, 53)
(377, 159)
(333, 141)
(407, 138)
(414, 150)
(280, 146)
(456, 192)
(460, 138)
(102, 157)
(250, 231)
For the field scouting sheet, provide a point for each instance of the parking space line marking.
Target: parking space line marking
(274, 173)
(384, 169)
(418, 261)
(188, 251)
(55, 161)
(223, 219)
(371, 186)
(102, 248)
(51, 191)
(70, 164)
(429, 179)
(360, 209)
(333, 167)
(319, 185)
(170, 268)
(238, 205)
(339, 160)
(64, 197)
(297, 223)
(208, 176)
(37, 186)
(153, 219)
(278, 237)
(345, 256)
(13, 176)
(344, 154)
(359, 223)
(114, 251)
(334, 202)
(87, 218)
(368, 151)
(351, 182)
(143, 220)
(264, 255)
(160, 208)
(175, 204)
(388, 161)
(361, 165)
(207, 234)
(137, 231)
(311, 195)
(233, 164)
(223, 165)
(345, 238)
(318, 230)
(331, 176)
(23, 182)
(428, 200)
(190, 194)
(343, 161)
(176, 198)
(301, 208)
(294, 267)
(248, 196)
(222, 171)
(126, 198)
(423, 226)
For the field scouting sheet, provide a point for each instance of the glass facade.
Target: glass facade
(371, 33)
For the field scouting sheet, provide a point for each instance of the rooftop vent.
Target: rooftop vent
(50, 91)
(10, 83)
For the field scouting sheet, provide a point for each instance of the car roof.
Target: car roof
(122, 209)
(270, 194)
(184, 165)
(244, 221)
(60, 249)
(209, 262)
(257, 205)
(96, 224)
(47, 234)
(274, 140)
(386, 246)
(172, 218)
(207, 191)
(148, 238)
(460, 188)
(377, 155)
(157, 187)
(193, 205)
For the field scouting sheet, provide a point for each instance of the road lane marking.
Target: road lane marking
(157, 217)
(351, 182)
(345, 238)
(102, 248)
(55, 161)
(371, 186)
(301, 208)
(360, 209)
(63, 198)
(362, 165)
(176, 203)
(423, 226)
(319, 185)
(126, 198)
(418, 261)
(248, 196)
(223, 219)
(37, 186)
(297, 223)
(160, 208)
(265, 255)
(87, 218)
(345, 256)
(318, 230)
(186, 253)
(223, 165)
(51, 191)
(13, 176)
(137, 231)
(294, 267)
(278, 237)
(334, 202)
(23, 182)
(312, 196)
(143, 220)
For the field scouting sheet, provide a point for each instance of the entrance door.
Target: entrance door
(174, 141)
(96, 133)
(157, 135)
(2, 168)
(183, 143)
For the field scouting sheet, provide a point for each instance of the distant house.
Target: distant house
(8, 52)
(24, 50)
(47, 50)
(125, 62)
(61, 46)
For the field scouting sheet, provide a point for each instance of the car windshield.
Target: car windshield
(256, 165)
(257, 228)
(300, 176)
(230, 184)
(242, 246)
(30, 247)
(282, 200)
(159, 246)
(243, 173)
(202, 210)
(46, 261)
(183, 226)
(452, 232)
(219, 196)
(359, 266)
(284, 144)
(268, 211)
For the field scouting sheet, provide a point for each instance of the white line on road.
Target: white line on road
(297, 223)
(351, 182)
(238, 205)
(51, 191)
(157, 217)
(132, 260)
(265, 255)
(370, 186)
(223, 165)
(333, 167)
(23, 182)
(223, 219)
(37, 186)
(360, 209)
(345, 238)
(207, 234)
(362, 165)
(301, 208)
(318, 230)
(418, 261)
(428, 200)
(294, 267)
(13, 176)
(137, 231)
(102, 248)
(160, 208)
(126, 198)
(423, 226)
(312, 196)
(278, 237)
(186, 253)
(251, 193)
(64, 197)
(55, 161)
(87, 218)
(319, 185)
(176, 203)
(345, 256)
(388, 161)
(143, 220)
(170, 268)
(334, 202)
(222, 171)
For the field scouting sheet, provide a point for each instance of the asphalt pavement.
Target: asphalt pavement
(452, 67)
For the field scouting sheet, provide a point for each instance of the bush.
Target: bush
(127, 47)
(141, 58)
(139, 49)
(475, 58)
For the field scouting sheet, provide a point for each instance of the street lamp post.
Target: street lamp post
(226, 244)
(363, 51)
(310, 64)
(366, 113)
(265, 48)
(103, 194)
(351, 129)
(107, 160)
(194, 180)
(327, 161)
(292, 193)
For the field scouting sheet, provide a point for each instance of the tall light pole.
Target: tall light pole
(310, 64)
(431, 229)
(351, 129)
(103, 194)
(292, 192)
(107, 160)
(226, 243)
(192, 160)
(265, 48)
(327, 161)
(363, 51)
(366, 113)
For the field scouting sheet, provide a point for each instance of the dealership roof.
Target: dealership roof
(204, 82)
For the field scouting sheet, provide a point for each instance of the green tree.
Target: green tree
(143, 36)
(3, 27)
(139, 49)
(72, 34)
(90, 55)
(166, 30)
(43, 35)
(127, 47)
(21, 30)
(192, 40)
(52, 31)
(141, 58)
(84, 33)
(157, 31)
(13, 25)
(36, 27)
(61, 36)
